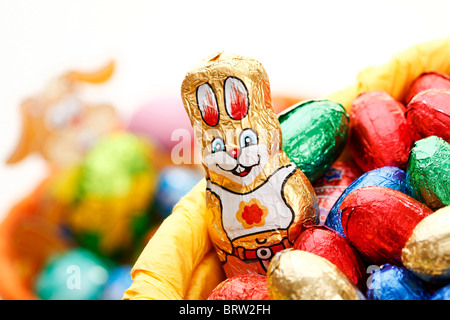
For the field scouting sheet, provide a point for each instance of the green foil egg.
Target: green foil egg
(111, 212)
(109, 169)
(314, 134)
(428, 172)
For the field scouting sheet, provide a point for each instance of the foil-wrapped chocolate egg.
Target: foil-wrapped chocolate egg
(173, 183)
(332, 184)
(314, 134)
(328, 244)
(111, 196)
(428, 114)
(389, 177)
(378, 221)
(77, 274)
(427, 251)
(428, 172)
(441, 294)
(242, 287)
(391, 282)
(119, 280)
(427, 80)
(301, 275)
(378, 131)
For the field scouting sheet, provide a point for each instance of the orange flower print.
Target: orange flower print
(251, 214)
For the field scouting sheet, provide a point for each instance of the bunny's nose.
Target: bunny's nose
(234, 152)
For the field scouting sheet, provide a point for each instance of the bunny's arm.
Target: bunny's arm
(220, 239)
(300, 196)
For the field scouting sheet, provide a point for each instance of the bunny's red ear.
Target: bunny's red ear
(207, 103)
(236, 98)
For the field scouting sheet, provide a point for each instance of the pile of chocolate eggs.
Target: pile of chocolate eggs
(385, 216)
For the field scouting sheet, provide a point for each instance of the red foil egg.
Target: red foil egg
(330, 245)
(333, 183)
(242, 287)
(379, 133)
(428, 114)
(378, 221)
(427, 80)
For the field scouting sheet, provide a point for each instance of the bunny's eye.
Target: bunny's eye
(248, 138)
(217, 145)
(236, 98)
(207, 103)
(64, 113)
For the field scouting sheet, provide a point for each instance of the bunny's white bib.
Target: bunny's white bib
(260, 210)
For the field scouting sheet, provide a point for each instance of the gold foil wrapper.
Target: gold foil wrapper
(257, 198)
(427, 251)
(301, 275)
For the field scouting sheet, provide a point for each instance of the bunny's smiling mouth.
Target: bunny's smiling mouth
(240, 170)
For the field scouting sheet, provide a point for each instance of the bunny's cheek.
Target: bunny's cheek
(250, 156)
(220, 161)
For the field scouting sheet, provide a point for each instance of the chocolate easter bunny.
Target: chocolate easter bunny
(59, 126)
(258, 199)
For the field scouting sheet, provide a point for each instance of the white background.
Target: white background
(309, 48)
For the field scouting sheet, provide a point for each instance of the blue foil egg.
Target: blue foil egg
(174, 183)
(391, 282)
(442, 294)
(119, 280)
(390, 177)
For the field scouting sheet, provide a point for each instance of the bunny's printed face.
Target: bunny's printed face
(235, 153)
(241, 164)
(226, 106)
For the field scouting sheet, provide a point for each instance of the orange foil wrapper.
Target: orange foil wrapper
(257, 198)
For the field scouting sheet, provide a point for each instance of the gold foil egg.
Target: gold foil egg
(427, 251)
(301, 275)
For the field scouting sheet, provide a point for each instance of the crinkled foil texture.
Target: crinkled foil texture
(333, 183)
(281, 199)
(391, 282)
(428, 114)
(427, 251)
(330, 245)
(242, 287)
(314, 135)
(378, 221)
(379, 135)
(214, 73)
(301, 275)
(428, 171)
(427, 80)
(389, 177)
